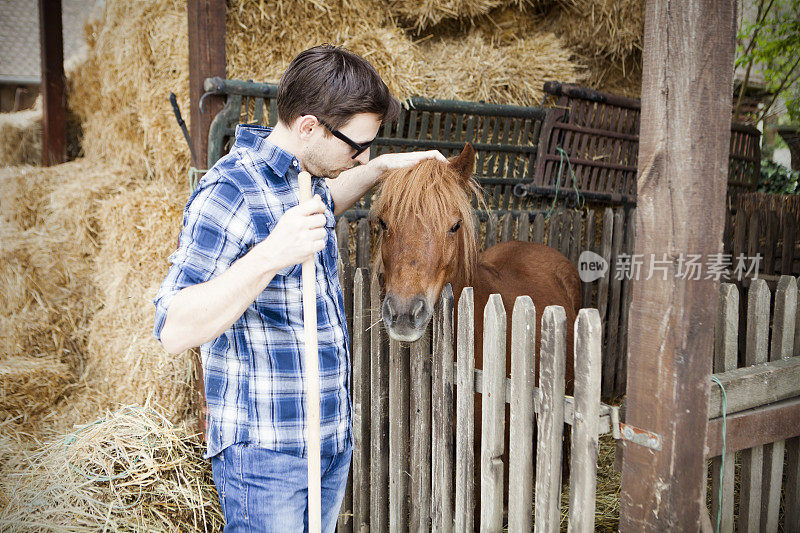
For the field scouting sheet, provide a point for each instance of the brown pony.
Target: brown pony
(429, 239)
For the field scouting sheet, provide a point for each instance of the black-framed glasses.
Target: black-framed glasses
(359, 148)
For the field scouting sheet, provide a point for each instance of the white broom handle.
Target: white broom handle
(312, 379)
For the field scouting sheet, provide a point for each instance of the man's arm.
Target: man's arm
(354, 183)
(202, 312)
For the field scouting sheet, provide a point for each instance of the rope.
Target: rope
(580, 201)
(722, 461)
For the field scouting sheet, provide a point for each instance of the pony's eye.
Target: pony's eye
(455, 227)
(383, 224)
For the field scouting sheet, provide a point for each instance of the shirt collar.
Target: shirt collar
(255, 138)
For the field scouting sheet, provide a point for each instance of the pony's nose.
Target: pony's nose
(389, 312)
(418, 314)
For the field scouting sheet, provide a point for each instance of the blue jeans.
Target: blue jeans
(266, 491)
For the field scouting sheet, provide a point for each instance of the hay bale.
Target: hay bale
(476, 68)
(24, 192)
(422, 15)
(21, 138)
(261, 41)
(29, 386)
(126, 364)
(136, 55)
(612, 29)
(608, 37)
(48, 240)
(131, 470)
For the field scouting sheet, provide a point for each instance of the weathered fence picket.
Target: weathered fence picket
(614, 289)
(493, 414)
(465, 422)
(551, 420)
(781, 348)
(756, 352)
(420, 469)
(523, 383)
(398, 435)
(345, 522)
(583, 470)
(725, 354)
(442, 427)
(363, 242)
(379, 418)
(491, 231)
(361, 400)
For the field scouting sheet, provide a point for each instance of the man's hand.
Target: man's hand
(298, 235)
(352, 184)
(386, 162)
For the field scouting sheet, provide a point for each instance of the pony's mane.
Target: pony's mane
(425, 191)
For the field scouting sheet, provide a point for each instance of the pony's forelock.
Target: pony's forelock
(424, 191)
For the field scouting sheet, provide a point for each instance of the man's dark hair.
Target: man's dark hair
(333, 84)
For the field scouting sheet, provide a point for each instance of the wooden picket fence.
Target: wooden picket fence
(768, 227)
(760, 372)
(605, 232)
(412, 466)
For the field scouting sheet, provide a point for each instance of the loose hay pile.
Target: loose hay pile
(132, 470)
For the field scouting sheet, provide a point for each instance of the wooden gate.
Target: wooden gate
(413, 461)
(760, 374)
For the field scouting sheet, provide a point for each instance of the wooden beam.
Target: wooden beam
(206, 59)
(752, 386)
(754, 427)
(687, 85)
(54, 100)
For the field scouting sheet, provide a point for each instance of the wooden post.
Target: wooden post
(54, 99)
(683, 157)
(206, 59)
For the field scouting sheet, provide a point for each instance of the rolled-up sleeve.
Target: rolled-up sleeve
(217, 230)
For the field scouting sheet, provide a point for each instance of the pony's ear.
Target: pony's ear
(464, 163)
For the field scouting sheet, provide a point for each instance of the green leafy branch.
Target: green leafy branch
(771, 44)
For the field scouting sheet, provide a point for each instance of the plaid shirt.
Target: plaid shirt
(254, 378)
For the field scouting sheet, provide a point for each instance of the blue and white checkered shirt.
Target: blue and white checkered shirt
(254, 379)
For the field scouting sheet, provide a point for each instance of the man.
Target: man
(234, 288)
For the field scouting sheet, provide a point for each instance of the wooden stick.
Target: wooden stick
(312, 379)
